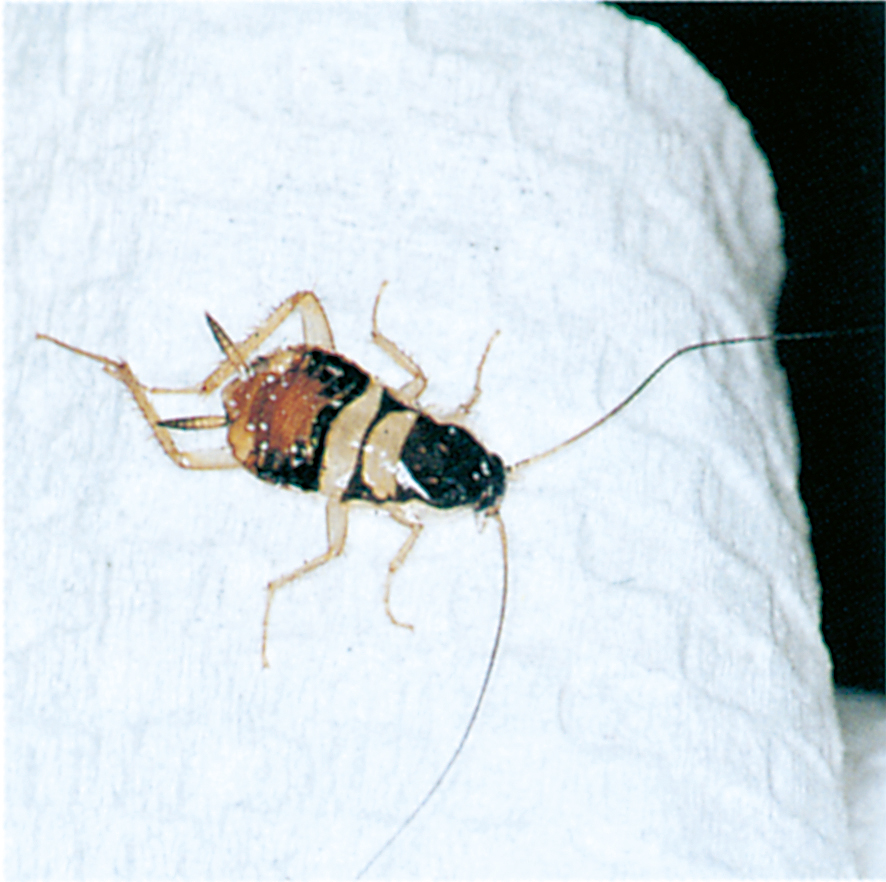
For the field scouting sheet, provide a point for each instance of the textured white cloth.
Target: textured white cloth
(863, 719)
(662, 704)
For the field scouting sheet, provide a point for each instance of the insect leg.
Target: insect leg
(465, 408)
(336, 534)
(120, 370)
(415, 528)
(412, 390)
(315, 326)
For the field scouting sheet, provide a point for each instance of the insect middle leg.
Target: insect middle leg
(411, 391)
(336, 534)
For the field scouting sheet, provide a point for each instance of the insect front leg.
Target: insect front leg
(465, 408)
(411, 391)
(336, 534)
(221, 458)
(415, 528)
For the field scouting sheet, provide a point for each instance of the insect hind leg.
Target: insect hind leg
(120, 370)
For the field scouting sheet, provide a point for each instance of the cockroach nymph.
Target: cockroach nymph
(307, 417)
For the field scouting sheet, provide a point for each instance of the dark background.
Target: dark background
(809, 77)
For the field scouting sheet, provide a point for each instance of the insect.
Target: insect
(307, 417)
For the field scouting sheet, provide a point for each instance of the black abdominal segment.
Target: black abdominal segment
(343, 380)
(451, 467)
(447, 467)
(389, 404)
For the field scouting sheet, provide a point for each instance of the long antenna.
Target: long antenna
(706, 344)
(492, 656)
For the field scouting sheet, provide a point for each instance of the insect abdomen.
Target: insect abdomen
(308, 418)
(282, 415)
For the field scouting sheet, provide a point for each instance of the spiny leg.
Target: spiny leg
(465, 408)
(120, 370)
(412, 390)
(315, 326)
(336, 534)
(415, 528)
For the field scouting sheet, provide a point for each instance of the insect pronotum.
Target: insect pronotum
(304, 416)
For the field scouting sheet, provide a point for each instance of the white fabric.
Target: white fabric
(863, 719)
(662, 704)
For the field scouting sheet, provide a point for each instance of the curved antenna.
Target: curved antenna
(706, 344)
(492, 656)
